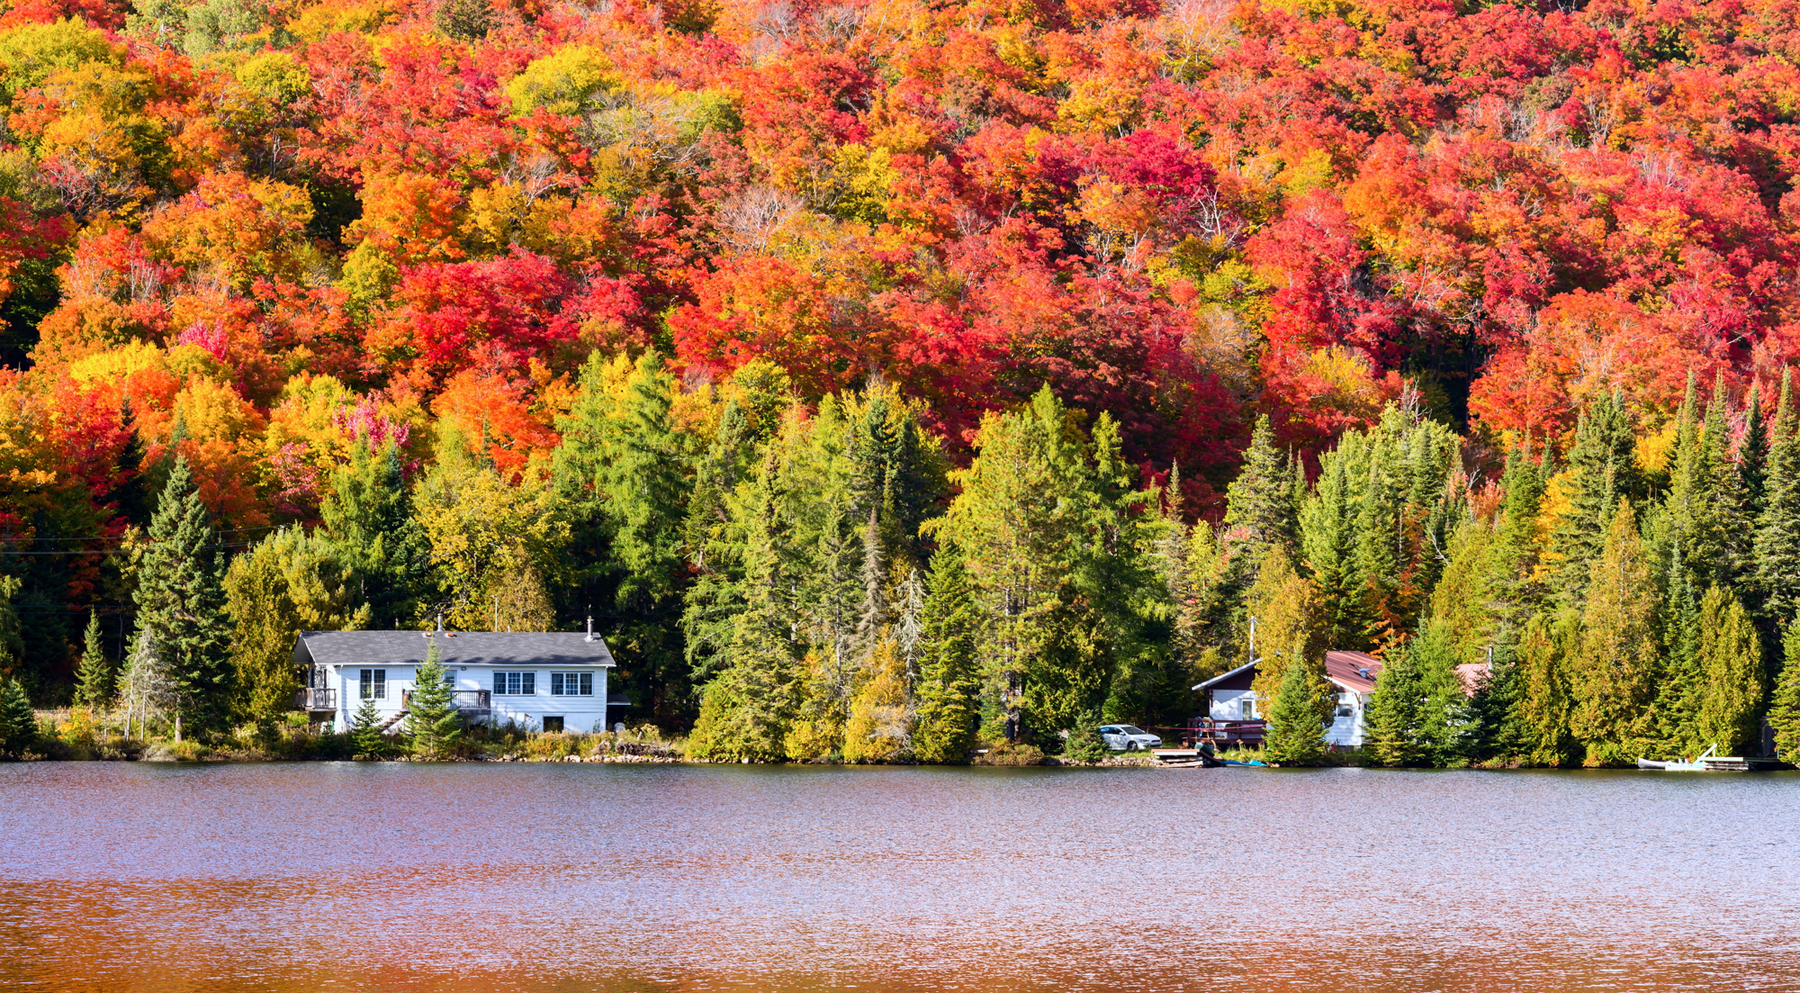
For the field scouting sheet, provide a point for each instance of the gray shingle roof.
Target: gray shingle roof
(523, 649)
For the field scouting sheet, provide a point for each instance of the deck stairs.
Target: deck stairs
(388, 724)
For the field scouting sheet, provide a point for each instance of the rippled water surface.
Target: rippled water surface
(623, 878)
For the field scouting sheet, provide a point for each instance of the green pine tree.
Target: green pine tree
(1613, 673)
(949, 679)
(94, 680)
(181, 602)
(1260, 510)
(1730, 685)
(18, 724)
(432, 719)
(368, 515)
(366, 738)
(1680, 680)
(1390, 724)
(1084, 743)
(1753, 455)
(1784, 710)
(1542, 714)
(1777, 548)
(1296, 727)
(642, 475)
(747, 707)
(1604, 460)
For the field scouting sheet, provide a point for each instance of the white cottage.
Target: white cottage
(1352, 674)
(548, 681)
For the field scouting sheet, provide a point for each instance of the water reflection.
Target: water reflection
(580, 877)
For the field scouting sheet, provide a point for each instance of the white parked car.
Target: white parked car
(1125, 738)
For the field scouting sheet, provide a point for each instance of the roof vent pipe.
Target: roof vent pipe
(440, 629)
(590, 635)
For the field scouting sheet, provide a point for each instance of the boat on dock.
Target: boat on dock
(1708, 761)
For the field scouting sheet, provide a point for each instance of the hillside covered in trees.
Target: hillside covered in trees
(870, 369)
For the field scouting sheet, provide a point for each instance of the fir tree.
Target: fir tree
(1604, 462)
(1084, 743)
(944, 727)
(1612, 676)
(1543, 710)
(432, 719)
(94, 680)
(366, 739)
(1753, 455)
(641, 475)
(746, 708)
(1730, 548)
(368, 515)
(1390, 724)
(18, 724)
(1259, 504)
(1296, 728)
(181, 603)
(1679, 683)
(1730, 685)
(1777, 550)
(1417, 714)
(1784, 710)
(1328, 540)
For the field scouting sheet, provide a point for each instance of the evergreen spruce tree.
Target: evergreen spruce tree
(1328, 536)
(1543, 711)
(1418, 713)
(1604, 461)
(1777, 549)
(368, 515)
(1679, 684)
(746, 708)
(432, 720)
(1730, 547)
(366, 739)
(1784, 710)
(18, 724)
(181, 603)
(1730, 688)
(1296, 728)
(1753, 455)
(949, 678)
(641, 474)
(1390, 725)
(1084, 743)
(1496, 732)
(94, 680)
(1613, 673)
(1260, 509)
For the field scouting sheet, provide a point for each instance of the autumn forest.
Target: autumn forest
(886, 376)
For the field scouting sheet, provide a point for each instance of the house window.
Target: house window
(1247, 709)
(1346, 705)
(374, 684)
(553, 725)
(571, 684)
(515, 683)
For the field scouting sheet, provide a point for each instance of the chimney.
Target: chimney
(440, 629)
(590, 636)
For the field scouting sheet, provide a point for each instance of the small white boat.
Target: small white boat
(1707, 762)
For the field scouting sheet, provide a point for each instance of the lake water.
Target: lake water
(650, 878)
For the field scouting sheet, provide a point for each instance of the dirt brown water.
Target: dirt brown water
(538, 878)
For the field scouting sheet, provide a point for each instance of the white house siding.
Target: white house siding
(1229, 705)
(579, 713)
(1347, 732)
